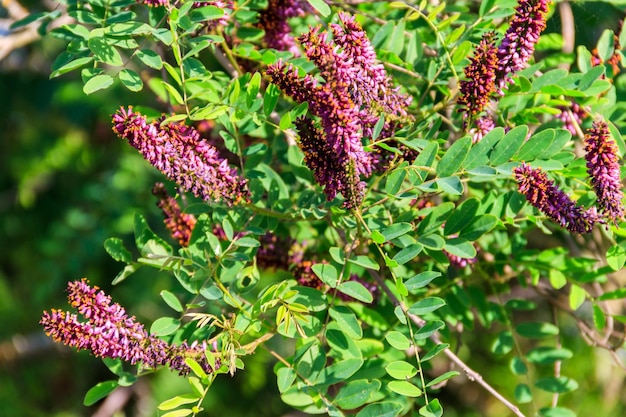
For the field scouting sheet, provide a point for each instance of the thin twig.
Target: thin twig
(469, 372)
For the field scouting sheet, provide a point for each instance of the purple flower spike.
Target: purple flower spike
(178, 152)
(520, 39)
(554, 203)
(108, 332)
(178, 223)
(351, 94)
(604, 171)
(273, 20)
(480, 83)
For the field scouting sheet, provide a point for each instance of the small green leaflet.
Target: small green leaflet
(320, 6)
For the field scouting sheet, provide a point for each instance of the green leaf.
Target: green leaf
(381, 409)
(347, 321)
(253, 88)
(396, 230)
(421, 280)
(171, 300)
(401, 370)
(429, 329)
(398, 340)
(130, 79)
(98, 392)
(435, 351)
(404, 388)
(356, 290)
(116, 249)
(479, 154)
(177, 401)
(478, 227)
(365, 262)
(536, 330)
(551, 77)
(558, 385)
(408, 254)
(443, 377)
(150, 58)
(523, 395)
(616, 257)
(426, 305)
(599, 318)
(503, 343)
(105, 52)
(394, 180)
(320, 6)
(454, 157)
(461, 248)
(518, 366)
(202, 14)
(435, 217)
(613, 295)
(72, 65)
(327, 273)
(577, 296)
(432, 409)
(590, 76)
(98, 82)
(247, 242)
(509, 145)
(432, 241)
(461, 216)
(178, 413)
(285, 377)
(544, 355)
(377, 237)
(535, 145)
(450, 185)
(557, 279)
(356, 393)
(164, 326)
(556, 412)
(196, 368)
(211, 293)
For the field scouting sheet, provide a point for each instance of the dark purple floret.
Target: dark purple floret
(480, 83)
(518, 44)
(604, 171)
(551, 201)
(178, 152)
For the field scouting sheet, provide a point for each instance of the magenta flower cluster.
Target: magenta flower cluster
(605, 177)
(274, 22)
(178, 152)
(543, 194)
(179, 224)
(491, 67)
(355, 92)
(107, 331)
(520, 39)
(604, 171)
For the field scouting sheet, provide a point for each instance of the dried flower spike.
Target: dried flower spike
(178, 152)
(604, 171)
(553, 202)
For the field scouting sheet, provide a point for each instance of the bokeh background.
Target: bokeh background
(67, 183)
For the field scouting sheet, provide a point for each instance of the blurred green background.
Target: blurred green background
(67, 183)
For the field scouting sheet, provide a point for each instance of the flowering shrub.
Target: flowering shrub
(362, 181)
